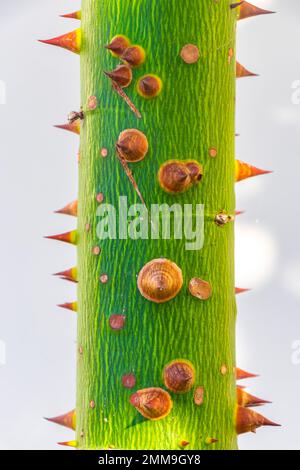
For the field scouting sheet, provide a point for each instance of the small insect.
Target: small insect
(74, 115)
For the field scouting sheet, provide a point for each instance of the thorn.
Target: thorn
(210, 440)
(246, 399)
(241, 290)
(68, 420)
(241, 71)
(70, 41)
(71, 127)
(242, 374)
(122, 75)
(183, 443)
(69, 209)
(76, 15)
(248, 420)
(68, 274)
(247, 10)
(69, 306)
(68, 443)
(244, 170)
(118, 45)
(239, 213)
(67, 237)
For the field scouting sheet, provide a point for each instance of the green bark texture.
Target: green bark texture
(194, 112)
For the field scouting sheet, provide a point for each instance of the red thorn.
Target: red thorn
(68, 420)
(248, 420)
(242, 374)
(241, 290)
(76, 15)
(248, 10)
(69, 306)
(246, 399)
(241, 71)
(67, 237)
(210, 440)
(70, 41)
(239, 213)
(68, 443)
(69, 209)
(71, 127)
(68, 274)
(245, 170)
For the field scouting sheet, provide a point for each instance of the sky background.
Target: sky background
(38, 174)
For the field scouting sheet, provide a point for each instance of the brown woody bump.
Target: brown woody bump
(153, 403)
(92, 102)
(134, 56)
(213, 152)
(160, 280)
(132, 145)
(190, 53)
(118, 45)
(104, 152)
(96, 250)
(117, 321)
(177, 176)
(224, 369)
(122, 75)
(149, 86)
(104, 278)
(198, 396)
(200, 289)
(100, 197)
(179, 376)
(92, 404)
(129, 380)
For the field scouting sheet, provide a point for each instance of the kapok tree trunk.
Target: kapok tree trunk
(148, 331)
(193, 114)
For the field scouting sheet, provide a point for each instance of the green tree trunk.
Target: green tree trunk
(193, 114)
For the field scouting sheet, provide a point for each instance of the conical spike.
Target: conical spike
(241, 71)
(241, 290)
(68, 274)
(68, 443)
(246, 399)
(244, 170)
(69, 209)
(243, 374)
(210, 440)
(70, 126)
(69, 306)
(239, 212)
(70, 41)
(76, 15)
(67, 237)
(248, 420)
(68, 420)
(247, 10)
